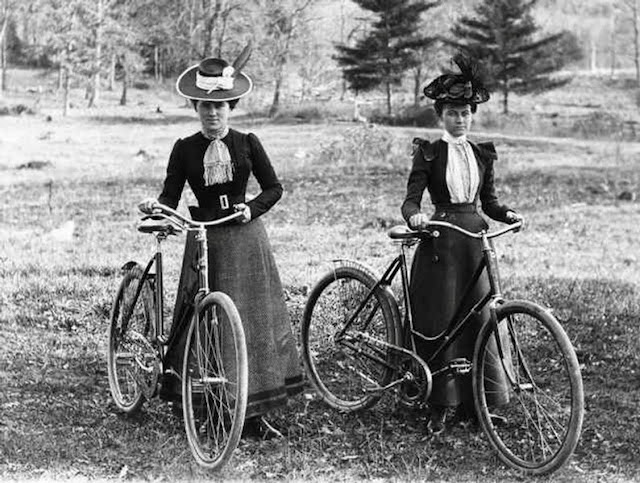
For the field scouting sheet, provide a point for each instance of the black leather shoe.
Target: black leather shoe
(437, 418)
(169, 388)
(465, 416)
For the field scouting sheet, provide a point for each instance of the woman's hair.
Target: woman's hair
(232, 104)
(439, 106)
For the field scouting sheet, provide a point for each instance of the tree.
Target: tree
(6, 8)
(504, 37)
(276, 28)
(631, 9)
(388, 50)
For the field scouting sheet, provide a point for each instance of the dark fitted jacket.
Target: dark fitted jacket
(429, 171)
(247, 156)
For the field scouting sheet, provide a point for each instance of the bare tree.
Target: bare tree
(97, 60)
(215, 19)
(632, 9)
(281, 22)
(5, 16)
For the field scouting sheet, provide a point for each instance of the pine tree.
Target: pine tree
(388, 50)
(503, 36)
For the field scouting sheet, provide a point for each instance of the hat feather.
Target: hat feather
(469, 70)
(242, 59)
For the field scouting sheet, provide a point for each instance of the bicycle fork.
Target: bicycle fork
(495, 301)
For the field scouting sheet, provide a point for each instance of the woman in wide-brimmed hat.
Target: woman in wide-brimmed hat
(217, 162)
(459, 177)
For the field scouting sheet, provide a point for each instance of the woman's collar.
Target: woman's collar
(221, 134)
(449, 139)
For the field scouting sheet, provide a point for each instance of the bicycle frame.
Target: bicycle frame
(459, 320)
(156, 276)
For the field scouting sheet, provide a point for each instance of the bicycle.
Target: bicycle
(214, 375)
(356, 347)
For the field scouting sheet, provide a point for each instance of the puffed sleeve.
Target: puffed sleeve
(267, 179)
(174, 180)
(488, 198)
(418, 179)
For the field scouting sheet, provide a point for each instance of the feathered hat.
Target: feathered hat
(464, 87)
(215, 80)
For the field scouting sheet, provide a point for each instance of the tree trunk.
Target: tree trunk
(156, 63)
(212, 13)
(613, 43)
(505, 99)
(60, 78)
(95, 92)
(636, 40)
(222, 34)
(65, 97)
(125, 82)
(275, 104)
(3, 46)
(417, 76)
(388, 89)
(3, 66)
(594, 54)
(112, 73)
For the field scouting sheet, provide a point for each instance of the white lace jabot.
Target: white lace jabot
(462, 173)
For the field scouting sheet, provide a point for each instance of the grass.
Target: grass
(578, 255)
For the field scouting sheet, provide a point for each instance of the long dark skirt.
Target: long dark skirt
(241, 264)
(441, 271)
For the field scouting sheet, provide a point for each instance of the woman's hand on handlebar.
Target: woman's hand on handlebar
(246, 212)
(513, 217)
(147, 205)
(418, 221)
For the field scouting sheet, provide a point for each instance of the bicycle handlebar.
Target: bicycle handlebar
(513, 227)
(404, 232)
(184, 223)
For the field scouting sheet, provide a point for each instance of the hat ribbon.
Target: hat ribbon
(218, 83)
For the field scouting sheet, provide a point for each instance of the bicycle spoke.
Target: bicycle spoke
(532, 388)
(132, 358)
(341, 315)
(216, 382)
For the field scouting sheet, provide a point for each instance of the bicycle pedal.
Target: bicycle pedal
(460, 366)
(163, 339)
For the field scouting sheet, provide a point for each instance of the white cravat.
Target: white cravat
(218, 168)
(462, 173)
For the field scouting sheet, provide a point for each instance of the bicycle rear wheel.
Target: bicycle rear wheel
(343, 361)
(132, 364)
(215, 381)
(530, 402)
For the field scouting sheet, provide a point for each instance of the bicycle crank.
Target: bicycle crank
(417, 381)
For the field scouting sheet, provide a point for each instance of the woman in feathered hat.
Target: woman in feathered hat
(459, 177)
(217, 162)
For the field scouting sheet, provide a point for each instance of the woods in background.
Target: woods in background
(306, 49)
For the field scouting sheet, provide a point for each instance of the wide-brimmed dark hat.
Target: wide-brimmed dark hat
(464, 87)
(214, 79)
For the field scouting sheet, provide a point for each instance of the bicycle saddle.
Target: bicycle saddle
(150, 225)
(402, 232)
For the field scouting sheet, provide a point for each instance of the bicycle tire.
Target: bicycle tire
(132, 364)
(535, 419)
(339, 372)
(215, 379)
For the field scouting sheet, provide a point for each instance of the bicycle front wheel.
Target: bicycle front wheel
(343, 318)
(132, 364)
(215, 381)
(528, 388)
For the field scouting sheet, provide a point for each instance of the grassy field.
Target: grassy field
(578, 255)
